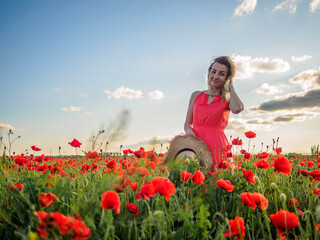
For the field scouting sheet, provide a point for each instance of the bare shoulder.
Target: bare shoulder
(195, 94)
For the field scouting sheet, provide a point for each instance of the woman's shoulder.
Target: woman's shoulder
(195, 94)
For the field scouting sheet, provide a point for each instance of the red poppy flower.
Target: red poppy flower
(109, 200)
(250, 134)
(237, 228)
(198, 177)
(260, 200)
(41, 228)
(34, 148)
(164, 187)
(185, 176)
(304, 172)
(284, 221)
(17, 185)
(133, 208)
(147, 190)
(246, 199)
(75, 143)
(237, 141)
(262, 164)
(247, 155)
(282, 165)
(46, 199)
(316, 191)
(91, 154)
(315, 174)
(248, 175)
(310, 164)
(225, 184)
(242, 151)
(278, 150)
(293, 202)
(263, 155)
(21, 160)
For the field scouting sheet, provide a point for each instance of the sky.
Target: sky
(69, 69)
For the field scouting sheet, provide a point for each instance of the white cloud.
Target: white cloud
(290, 5)
(123, 92)
(57, 89)
(267, 89)
(71, 109)
(246, 66)
(128, 93)
(7, 127)
(302, 58)
(88, 113)
(308, 79)
(314, 5)
(156, 94)
(84, 95)
(245, 8)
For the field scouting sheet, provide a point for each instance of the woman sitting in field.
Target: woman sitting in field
(208, 110)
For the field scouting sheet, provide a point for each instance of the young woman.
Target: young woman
(208, 111)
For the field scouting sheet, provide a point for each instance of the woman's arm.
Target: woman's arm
(235, 103)
(188, 123)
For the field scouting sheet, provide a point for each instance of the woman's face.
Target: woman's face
(218, 75)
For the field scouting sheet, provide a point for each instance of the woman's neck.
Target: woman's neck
(214, 92)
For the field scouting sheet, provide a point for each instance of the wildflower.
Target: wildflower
(248, 175)
(237, 228)
(262, 164)
(198, 177)
(41, 228)
(284, 221)
(247, 155)
(91, 154)
(21, 160)
(75, 143)
(34, 148)
(224, 164)
(133, 208)
(237, 141)
(185, 176)
(282, 165)
(250, 134)
(225, 184)
(109, 200)
(46, 199)
(293, 202)
(315, 174)
(263, 155)
(164, 187)
(253, 199)
(147, 190)
(278, 150)
(304, 172)
(17, 185)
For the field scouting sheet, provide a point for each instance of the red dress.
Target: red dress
(209, 122)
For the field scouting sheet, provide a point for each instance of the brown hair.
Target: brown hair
(224, 60)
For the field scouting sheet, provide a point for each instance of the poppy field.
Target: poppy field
(268, 195)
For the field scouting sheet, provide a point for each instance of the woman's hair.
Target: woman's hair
(224, 60)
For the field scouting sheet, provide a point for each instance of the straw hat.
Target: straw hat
(189, 146)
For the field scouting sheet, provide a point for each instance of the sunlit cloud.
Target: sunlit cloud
(88, 113)
(304, 100)
(308, 79)
(156, 94)
(84, 95)
(245, 8)
(314, 5)
(267, 89)
(302, 58)
(288, 5)
(71, 109)
(128, 93)
(7, 127)
(247, 67)
(57, 89)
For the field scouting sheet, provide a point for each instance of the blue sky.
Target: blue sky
(71, 68)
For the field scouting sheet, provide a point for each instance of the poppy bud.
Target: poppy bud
(283, 197)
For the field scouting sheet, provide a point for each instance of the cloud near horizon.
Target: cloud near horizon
(308, 79)
(245, 8)
(71, 109)
(267, 89)
(247, 67)
(57, 89)
(297, 101)
(7, 127)
(301, 59)
(128, 93)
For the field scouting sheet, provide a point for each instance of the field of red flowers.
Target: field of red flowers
(135, 196)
